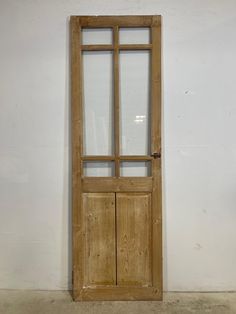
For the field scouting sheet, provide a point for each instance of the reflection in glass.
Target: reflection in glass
(135, 168)
(98, 169)
(91, 36)
(98, 103)
(134, 102)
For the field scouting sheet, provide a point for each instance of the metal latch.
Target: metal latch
(156, 155)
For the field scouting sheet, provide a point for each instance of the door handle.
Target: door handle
(156, 155)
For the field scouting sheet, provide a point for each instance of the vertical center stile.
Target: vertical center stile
(116, 100)
(116, 121)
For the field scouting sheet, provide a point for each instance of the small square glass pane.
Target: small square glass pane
(98, 169)
(137, 35)
(135, 169)
(93, 36)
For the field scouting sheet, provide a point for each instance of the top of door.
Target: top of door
(118, 20)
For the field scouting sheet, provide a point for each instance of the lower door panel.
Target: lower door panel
(133, 239)
(100, 247)
(117, 239)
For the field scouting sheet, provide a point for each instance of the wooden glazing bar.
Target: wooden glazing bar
(120, 47)
(98, 158)
(112, 158)
(135, 47)
(116, 101)
(136, 158)
(96, 47)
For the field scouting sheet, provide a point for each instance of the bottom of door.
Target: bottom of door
(118, 294)
(117, 249)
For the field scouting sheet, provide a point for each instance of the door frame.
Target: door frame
(117, 183)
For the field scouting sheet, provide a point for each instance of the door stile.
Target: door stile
(156, 162)
(77, 146)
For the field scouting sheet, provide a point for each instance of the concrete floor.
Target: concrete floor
(59, 302)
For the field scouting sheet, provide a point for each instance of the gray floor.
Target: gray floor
(58, 302)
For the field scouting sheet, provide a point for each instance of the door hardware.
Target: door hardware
(156, 155)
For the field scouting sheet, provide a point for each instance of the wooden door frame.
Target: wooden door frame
(117, 183)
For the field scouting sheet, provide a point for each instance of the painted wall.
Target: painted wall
(199, 172)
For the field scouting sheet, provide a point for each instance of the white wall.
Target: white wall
(199, 67)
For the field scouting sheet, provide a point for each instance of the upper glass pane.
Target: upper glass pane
(137, 35)
(98, 103)
(135, 102)
(91, 36)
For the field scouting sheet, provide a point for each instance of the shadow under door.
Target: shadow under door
(116, 130)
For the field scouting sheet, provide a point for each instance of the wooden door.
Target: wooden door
(117, 217)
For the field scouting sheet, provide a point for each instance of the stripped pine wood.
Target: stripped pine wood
(97, 47)
(100, 268)
(136, 158)
(116, 101)
(98, 158)
(122, 293)
(105, 47)
(117, 221)
(135, 47)
(156, 147)
(133, 239)
(115, 20)
(124, 184)
(112, 158)
(77, 143)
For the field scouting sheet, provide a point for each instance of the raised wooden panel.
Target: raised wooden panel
(100, 251)
(133, 239)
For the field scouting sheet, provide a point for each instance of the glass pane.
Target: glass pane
(136, 35)
(98, 103)
(99, 169)
(135, 168)
(92, 36)
(134, 102)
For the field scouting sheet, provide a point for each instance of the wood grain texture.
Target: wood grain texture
(119, 294)
(77, 143)
(115, 20)
(116, 100)
(124, 184)
(99, 216)
(97, 47)
(98, 158)
(133, 239)
(102, 47)
(156, 163)
(90, 280)
(112, 158)
(135, 47)
(135, 158)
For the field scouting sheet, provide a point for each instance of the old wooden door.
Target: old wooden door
(116, 130)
